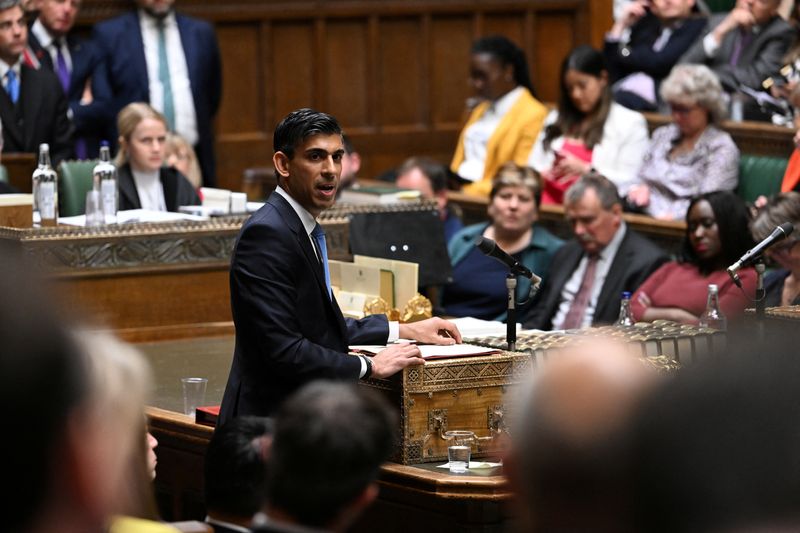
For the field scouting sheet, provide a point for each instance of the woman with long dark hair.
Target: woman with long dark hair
(589, 131)
(717, 234)
(503, 126)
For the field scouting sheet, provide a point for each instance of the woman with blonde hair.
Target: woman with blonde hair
(119, 381)
(478, 288)
(144, 181)
(181, 157)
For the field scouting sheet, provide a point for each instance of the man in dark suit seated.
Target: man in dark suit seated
(73, 60)
(589, 273)
(33, 107)
(170, 61)
(289, 328)
(643, 46)
(236, 473)
(330, 441)
(745, 46)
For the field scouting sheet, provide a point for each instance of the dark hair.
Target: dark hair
(236, 467)
(330, 440)
(586, 60)
(605, 189)
(733, 220)
(348, 144)
(300, 125)
(507, 53)
(8, 4)
(433, 170)
(42, 381)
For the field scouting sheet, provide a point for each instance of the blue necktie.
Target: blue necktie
(12, 85)
(61, 68)
(319, 237)
(163, 77)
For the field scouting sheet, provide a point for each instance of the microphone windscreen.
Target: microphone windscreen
(787, 228)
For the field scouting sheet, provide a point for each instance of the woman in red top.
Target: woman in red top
(716, 236)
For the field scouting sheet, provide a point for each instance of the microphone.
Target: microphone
(490, 248)
(750, 256)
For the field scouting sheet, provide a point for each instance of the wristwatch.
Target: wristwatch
(368, 361)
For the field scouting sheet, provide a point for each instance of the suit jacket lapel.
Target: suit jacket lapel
(30, 96)
(127, 187)
(136, 44)
(296, 225)
(615, 274)
(11, 126)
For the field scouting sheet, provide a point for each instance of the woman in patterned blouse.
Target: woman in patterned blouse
(691, 156)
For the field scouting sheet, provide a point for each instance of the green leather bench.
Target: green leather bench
(760, 175)
(74, 181)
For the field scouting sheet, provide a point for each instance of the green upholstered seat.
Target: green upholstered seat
(3, 174)
(719, 6)
(75, 180)
(760, 175)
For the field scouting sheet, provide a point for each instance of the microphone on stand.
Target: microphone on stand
(751, 255)
(490, 248)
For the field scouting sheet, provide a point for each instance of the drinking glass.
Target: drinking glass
(459, 450)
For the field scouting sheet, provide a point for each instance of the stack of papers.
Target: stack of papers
(135, 215)
(433, 351)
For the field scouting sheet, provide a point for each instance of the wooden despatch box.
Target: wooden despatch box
(467, 393)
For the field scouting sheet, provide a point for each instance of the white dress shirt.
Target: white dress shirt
(477, 135)
(604, 260)
(51, 45)
(183, 101)
(151, 192)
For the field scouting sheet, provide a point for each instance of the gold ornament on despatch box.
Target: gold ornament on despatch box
(417, 308)
(377, 306)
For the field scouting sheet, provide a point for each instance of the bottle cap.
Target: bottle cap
(44, 147)
(626, 295)
(103, 143)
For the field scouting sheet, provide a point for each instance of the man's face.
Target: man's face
(762, 10)
(672, 9)
(58, 16)
(13, 34)
(594, 227)
(157, 8)
(312, 175)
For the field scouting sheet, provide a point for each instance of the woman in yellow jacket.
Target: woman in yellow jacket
(504, 126)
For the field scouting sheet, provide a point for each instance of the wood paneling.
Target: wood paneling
(393, 71)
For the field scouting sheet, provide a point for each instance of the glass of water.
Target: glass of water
(459, 450)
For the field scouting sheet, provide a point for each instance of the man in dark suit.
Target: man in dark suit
(289, 328)
(589, 273)
(745, 46)
(647, 40)
(72, 60)
(170, 61)
(33, 107)
(330, 441)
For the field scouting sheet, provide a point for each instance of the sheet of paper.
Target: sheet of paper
(476, 327)
(432, 351)
(135, 215)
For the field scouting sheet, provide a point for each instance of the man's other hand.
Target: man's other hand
(431, 331)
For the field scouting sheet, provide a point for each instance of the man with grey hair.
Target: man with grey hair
(745, 46)
(589, 273)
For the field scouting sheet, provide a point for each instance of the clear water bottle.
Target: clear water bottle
(625, 314)
(45, 189)
(712, 317)
(104, 178)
